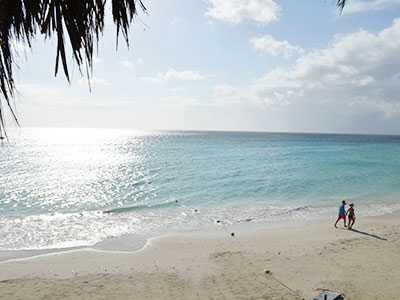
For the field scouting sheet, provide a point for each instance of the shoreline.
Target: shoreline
(131, 243)
(363, 263)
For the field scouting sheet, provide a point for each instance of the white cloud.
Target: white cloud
(236, 11)
(225, 90)
(388, 109)
(131, 64)
(357, 6)
(229, 96)
(364, 81)
(159, 78)
(50, 97)
(184, 75)
(357, 74)
(269, 45)
(353, 61)
(174, 74)
(92, 81)
(126, 63)
(38, 94)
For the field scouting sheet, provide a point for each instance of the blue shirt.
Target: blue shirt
(341, 210)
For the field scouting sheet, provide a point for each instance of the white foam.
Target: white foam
(89, 228)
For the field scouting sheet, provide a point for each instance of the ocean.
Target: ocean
(67, 188)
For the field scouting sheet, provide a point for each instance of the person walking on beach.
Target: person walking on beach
(342, 213)
(351, 215)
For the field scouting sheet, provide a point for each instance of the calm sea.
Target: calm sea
(62, 188)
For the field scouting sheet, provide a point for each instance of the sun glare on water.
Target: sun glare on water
(75, 167)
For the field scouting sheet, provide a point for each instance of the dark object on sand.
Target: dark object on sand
(327, 295)
(232, 234)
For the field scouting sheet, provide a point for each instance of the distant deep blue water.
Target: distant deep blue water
(76, 187)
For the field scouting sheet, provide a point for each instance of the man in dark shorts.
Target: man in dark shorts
(342, 213)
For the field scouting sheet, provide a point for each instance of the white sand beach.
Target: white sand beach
(359, 264)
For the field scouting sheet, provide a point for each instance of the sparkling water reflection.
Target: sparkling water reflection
(76, 187)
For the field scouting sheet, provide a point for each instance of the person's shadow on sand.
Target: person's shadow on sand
(368, 234)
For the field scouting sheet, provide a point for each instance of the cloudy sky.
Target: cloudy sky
(249, 65)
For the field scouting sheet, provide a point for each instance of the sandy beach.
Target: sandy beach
(360, 264)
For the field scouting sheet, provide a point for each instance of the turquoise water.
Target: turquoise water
(63, 188)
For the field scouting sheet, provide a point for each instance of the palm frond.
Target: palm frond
(341, 4)
(79, 22)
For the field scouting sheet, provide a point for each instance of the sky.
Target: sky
(240, 65)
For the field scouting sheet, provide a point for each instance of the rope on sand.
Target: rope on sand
(243, 248)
